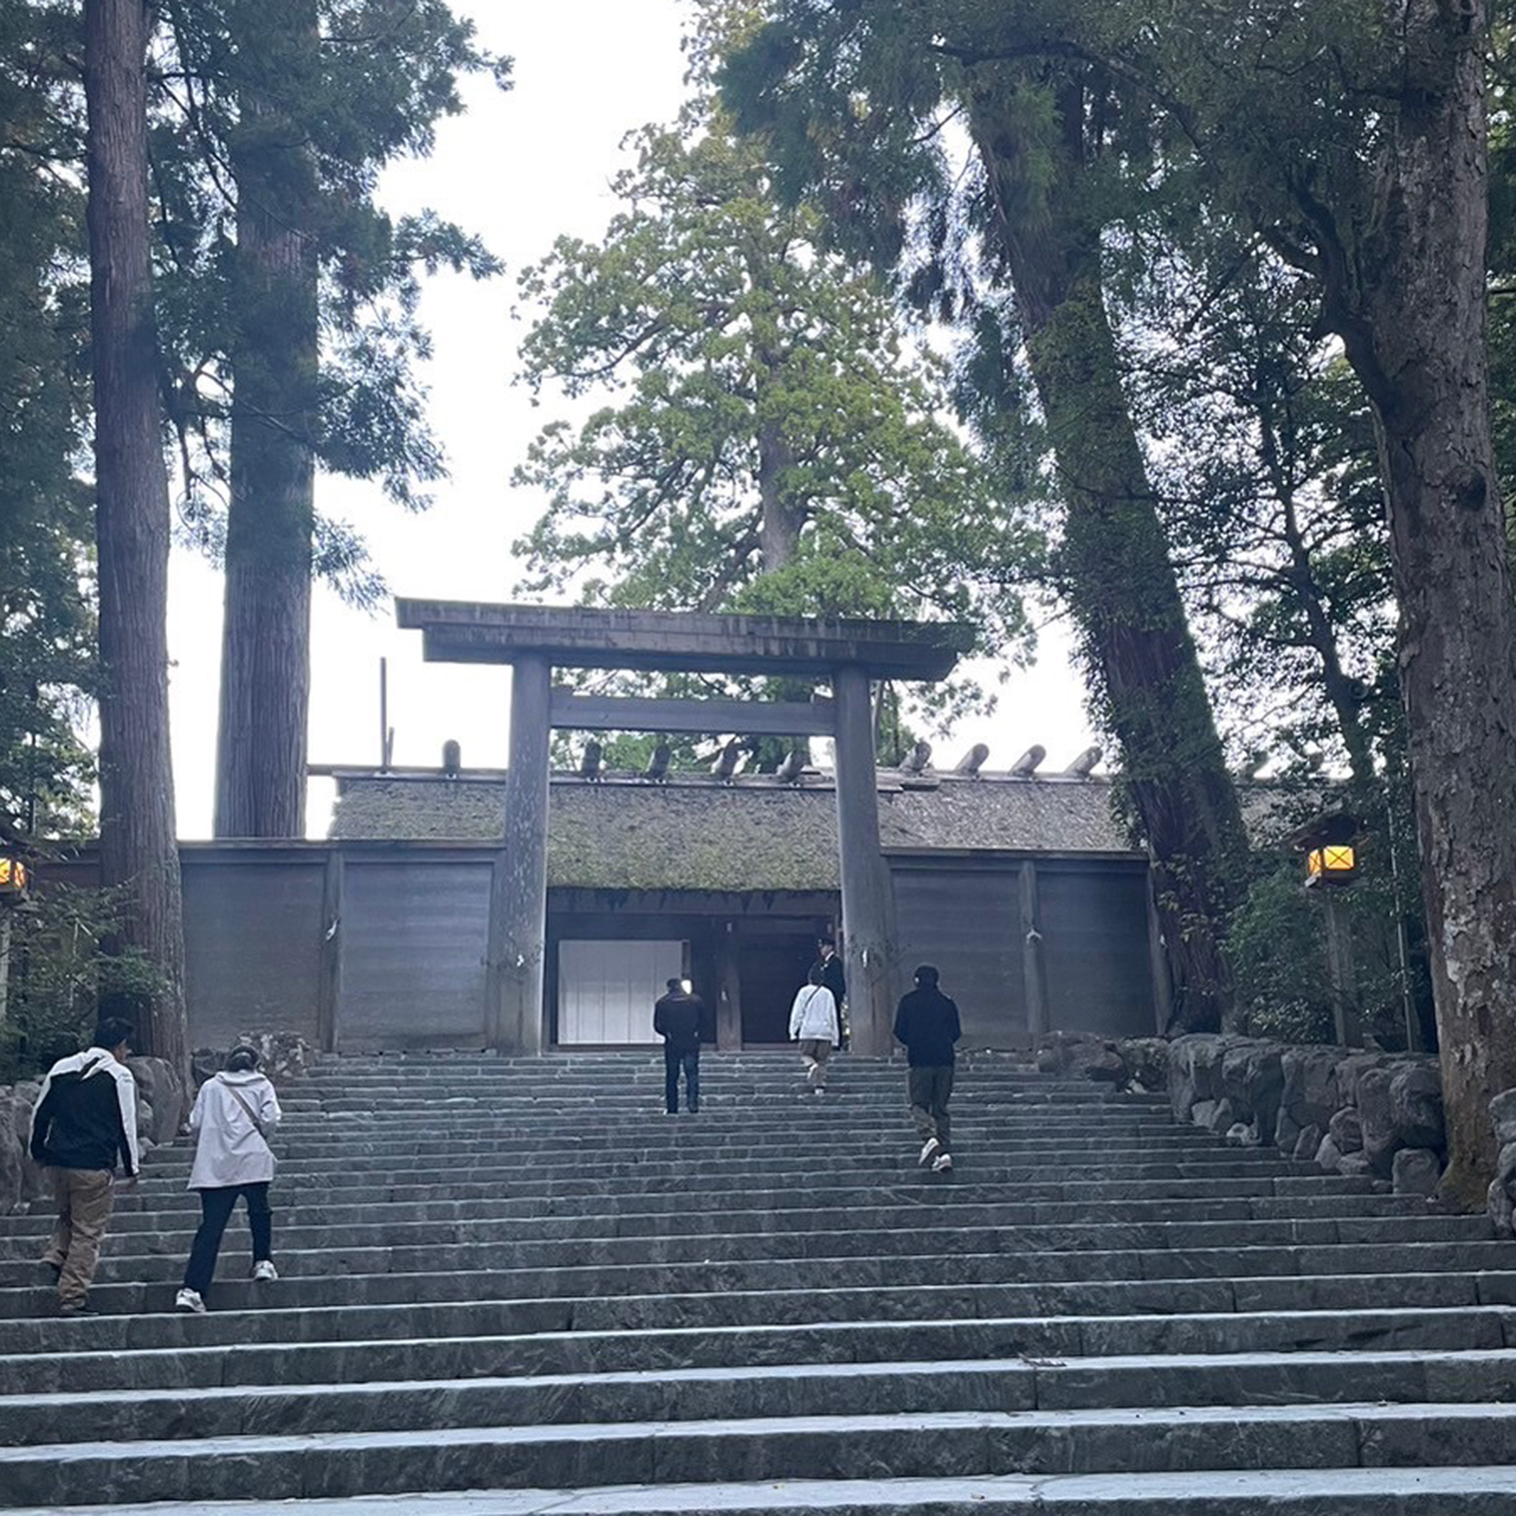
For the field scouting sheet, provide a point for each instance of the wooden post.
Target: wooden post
(1033, 966)
(518, 889)
(329, 981)
(1158, 965)
(728, 990)
(868, 901)
(1344, 972)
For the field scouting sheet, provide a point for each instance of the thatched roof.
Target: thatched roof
(754, 834)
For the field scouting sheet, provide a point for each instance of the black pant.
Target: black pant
(216, 1207)
(673, 1060)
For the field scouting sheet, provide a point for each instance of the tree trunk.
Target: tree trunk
(779, 527)
(1409, 300)
(265, 646)
(138, 846)
(1119, 578)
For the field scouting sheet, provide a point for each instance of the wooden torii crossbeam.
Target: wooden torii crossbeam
(534, 640)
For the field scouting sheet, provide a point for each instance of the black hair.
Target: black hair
(927, 976)
(112, 1031)
(242, 1059)
(816, 976)
(675, 985)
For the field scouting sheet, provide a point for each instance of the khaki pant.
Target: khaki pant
(930, 1090)
(815, 1051)
(85, 1198)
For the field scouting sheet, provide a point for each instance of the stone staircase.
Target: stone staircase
(518, 1281)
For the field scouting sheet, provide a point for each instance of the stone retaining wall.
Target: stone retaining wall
(1350, 1111)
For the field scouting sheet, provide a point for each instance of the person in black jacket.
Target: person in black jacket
(84, 1121)
(679, 1018)
(833, 979)
(926, 1021)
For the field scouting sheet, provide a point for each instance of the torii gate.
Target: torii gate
(534, 640)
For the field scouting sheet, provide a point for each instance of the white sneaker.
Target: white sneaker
(943, 1164)
(928, 1151)
(264, 1271)
(189, 1300)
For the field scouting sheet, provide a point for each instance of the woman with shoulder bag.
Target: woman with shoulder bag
(813, 1024)
(234, 1114)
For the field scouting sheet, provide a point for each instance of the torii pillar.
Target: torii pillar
(868, 893)
(536, 639)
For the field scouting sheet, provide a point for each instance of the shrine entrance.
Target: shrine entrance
(846, 655)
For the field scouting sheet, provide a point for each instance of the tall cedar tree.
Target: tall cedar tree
(47, 624)
(296, 295)
(1354, 139)
(852, 101)
(768, 441)
(138, 845)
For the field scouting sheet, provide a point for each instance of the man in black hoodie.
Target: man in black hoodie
(679, 1018)
(927, 1023)
(85, 1119)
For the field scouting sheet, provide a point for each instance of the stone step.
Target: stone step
(744, 1392)
(1177, 1183)
(479, 1310)
(559, 1241)
(1489, 1491)
(1055, 1339)
(919, 1445)
(399, 1285)
(178, 1212)
(570, 1170)
(1392, 1220)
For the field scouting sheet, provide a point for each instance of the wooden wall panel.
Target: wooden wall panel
(413, 940)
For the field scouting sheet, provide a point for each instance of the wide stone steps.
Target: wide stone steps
(516, 1278)
(898, 1444)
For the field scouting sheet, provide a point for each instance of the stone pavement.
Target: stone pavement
(518, 1281)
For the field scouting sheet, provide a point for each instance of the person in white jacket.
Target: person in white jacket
(813, 1024)
(233, 1117)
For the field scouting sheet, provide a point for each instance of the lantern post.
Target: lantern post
(15, 885)
(1331, 862)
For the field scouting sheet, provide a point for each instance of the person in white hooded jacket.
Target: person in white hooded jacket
(813, 1024)
(233, 1117)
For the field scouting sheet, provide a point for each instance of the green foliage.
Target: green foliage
(47, 656)
(1278, 956)
(310, 98)
(58, 975)
(771, 440)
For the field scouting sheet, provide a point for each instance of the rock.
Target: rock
(159, 1083)
(1377, 1118)
(1202, 1111)
(1286, 1133)
(1310, 1084)
(1307, 1143)
(1416, 1171)
(1355, 1165)
(1237, 1134)
(1350, 1071)
(1222, 1118)
(1505, 1165)
(1194, 1070)
(1416, 1107)
(1147, 1061)
(1346, 1127)
(1503, 1114)
(1502, 1207)
(1328, 1155)
(12, 1157)
(1252, 1075)
(1101, 1062)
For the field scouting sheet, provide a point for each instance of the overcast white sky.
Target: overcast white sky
(518, 169)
